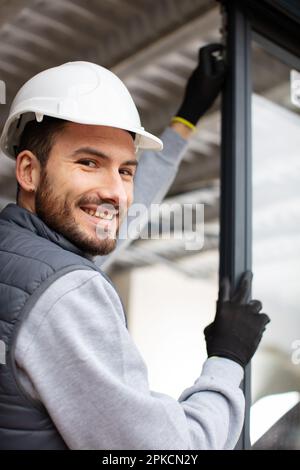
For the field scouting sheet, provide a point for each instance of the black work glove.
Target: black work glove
(238, 326)
(204, 84)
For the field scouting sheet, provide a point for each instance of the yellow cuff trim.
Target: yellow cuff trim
(183, 121)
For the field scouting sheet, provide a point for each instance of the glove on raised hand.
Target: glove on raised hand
(203, 85)
(238, 326)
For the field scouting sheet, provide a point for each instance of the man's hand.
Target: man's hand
(238, 325)
(203, 85)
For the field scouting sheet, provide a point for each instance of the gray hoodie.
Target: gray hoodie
(75, 354)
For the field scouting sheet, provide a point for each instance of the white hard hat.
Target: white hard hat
(80, 92)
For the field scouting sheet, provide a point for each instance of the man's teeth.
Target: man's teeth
(99, 214)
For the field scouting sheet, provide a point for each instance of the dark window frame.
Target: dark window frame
(244, 22)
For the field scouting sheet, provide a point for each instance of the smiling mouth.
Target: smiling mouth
(99, 215)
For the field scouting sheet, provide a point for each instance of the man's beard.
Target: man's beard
(56, 213)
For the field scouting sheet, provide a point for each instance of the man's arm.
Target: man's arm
(75, 354)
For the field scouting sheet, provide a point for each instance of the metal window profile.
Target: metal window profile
(276, 20)
(236, 174)
(276, 28)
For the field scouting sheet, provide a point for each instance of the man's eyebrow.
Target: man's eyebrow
(98, 153)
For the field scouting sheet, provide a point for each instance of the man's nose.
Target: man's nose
(112, 188)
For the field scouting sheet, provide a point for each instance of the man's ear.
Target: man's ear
(27, 170)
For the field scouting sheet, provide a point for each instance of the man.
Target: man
(73, 377)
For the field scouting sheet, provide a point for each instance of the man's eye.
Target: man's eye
(84, 162)
(127, 172)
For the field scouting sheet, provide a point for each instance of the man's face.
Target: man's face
(89, 168)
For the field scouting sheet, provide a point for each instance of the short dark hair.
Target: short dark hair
(38, 137)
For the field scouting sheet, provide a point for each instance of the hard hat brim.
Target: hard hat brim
(144, 140)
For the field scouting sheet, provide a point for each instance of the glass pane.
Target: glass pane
(276, 247)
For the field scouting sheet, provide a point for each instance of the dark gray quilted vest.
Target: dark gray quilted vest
(32, 257)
